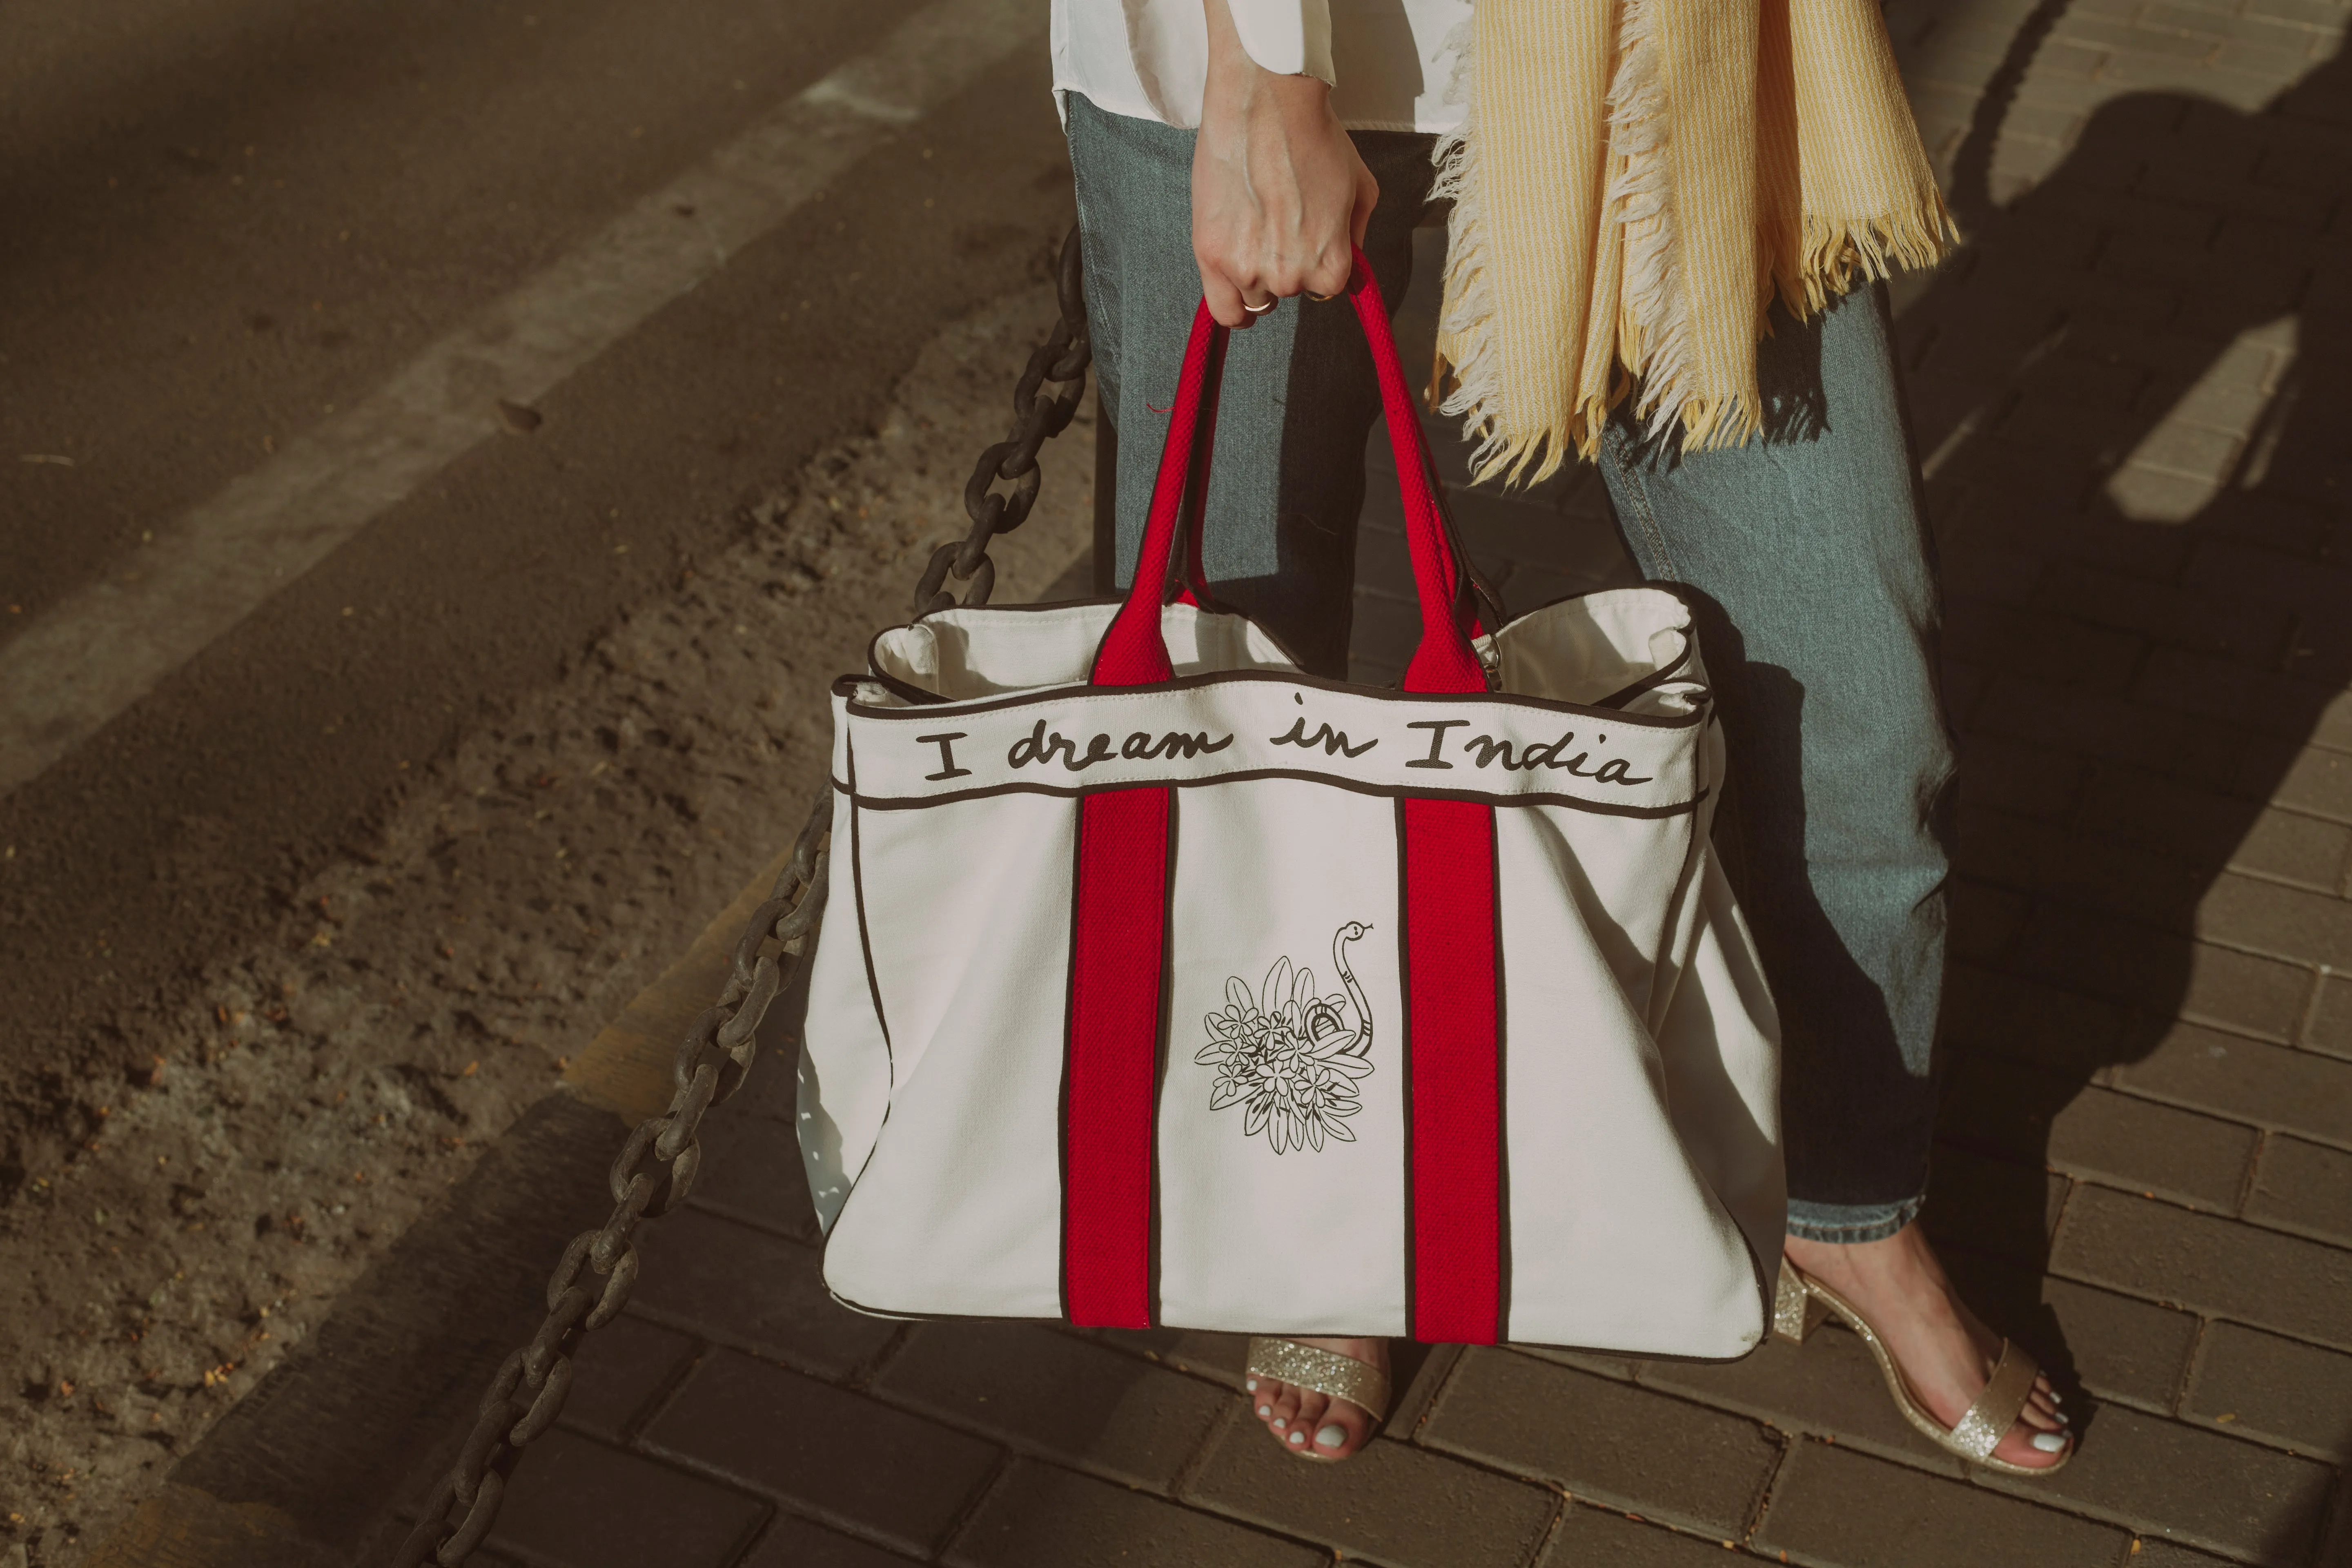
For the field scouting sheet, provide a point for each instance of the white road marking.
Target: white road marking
(108, 644)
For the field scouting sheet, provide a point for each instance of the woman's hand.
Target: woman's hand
(1280, 197)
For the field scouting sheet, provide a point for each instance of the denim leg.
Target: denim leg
(1806, 553)
(1280, 544)
(1808, 557)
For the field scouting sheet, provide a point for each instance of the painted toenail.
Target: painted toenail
(1298, 1438)
(1332, 1436)
(1266, 1410)
(2050, 1442)
(1252, 1385)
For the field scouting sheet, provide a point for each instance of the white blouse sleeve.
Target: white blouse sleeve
(1150, 58)
(1289, 38)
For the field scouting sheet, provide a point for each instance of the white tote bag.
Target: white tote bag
(1163, 984)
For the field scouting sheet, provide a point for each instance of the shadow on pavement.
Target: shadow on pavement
(2136, 384)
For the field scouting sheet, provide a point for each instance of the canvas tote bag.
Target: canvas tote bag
(1163, 984)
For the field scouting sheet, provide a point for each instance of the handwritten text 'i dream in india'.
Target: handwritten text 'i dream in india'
(1044, 747)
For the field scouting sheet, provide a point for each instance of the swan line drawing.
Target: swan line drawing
(1290, 1056)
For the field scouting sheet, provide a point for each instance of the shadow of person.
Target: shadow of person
(2131, 391)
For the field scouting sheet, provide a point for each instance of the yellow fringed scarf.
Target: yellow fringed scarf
(1635, 182)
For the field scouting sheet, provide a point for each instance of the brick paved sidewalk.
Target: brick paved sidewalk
(2132, 393)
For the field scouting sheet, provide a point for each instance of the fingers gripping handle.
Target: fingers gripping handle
(1135, 652)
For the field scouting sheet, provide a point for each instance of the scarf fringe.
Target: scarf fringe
(1838, 254)
(1651, 342)
(1654, 342)
(1878, 247)
(1469, 319)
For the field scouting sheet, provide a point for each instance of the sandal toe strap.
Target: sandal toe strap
(1996, 1410)
(1325, 1372)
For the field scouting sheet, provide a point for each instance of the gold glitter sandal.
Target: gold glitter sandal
(1800, 1301)
(1323, 1372)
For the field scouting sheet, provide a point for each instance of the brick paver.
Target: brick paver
(2119, 1347)
(2304, 1187)
(753, 1174)
(822, 1450)
(2209, 1264)
(1603, 1537)
(2273, 1390)
(1612, 1442)
(620, 1372)
(1833, 1505)
(797, 1544)
(584, 1505)
(2150, 1553)
(1396, 1503)
(2129, 393)
(2262, 1085)
(1056, 1396)
(2021, 1113)
(2247, 1500)
(753, 1291)
(1039, 1515)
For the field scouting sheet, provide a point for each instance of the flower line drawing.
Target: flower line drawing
(1291, 1057)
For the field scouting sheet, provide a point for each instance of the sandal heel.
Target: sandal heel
(1798, 1303)
(1794, 1309)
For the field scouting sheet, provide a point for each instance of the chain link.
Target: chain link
(657, 1166)
(1037, 417)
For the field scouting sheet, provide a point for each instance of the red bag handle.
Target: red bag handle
(1134, 651)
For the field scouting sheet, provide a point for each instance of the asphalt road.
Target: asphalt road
(224, 221)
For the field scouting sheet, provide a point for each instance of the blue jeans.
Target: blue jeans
(1805, 554)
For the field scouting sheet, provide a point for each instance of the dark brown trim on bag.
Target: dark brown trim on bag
(1062, 1097)
(1502, 1098)
(881, 1026)
(1078, 692)
(1369, 1333)
(1160, 1046)
(865, 942)
(1404, 1053)
(907, 689)
(1474, 581)
(1649, 682)
(1250, 775)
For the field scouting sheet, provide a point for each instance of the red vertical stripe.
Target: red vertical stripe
(1118, 921)
(1456, 1074)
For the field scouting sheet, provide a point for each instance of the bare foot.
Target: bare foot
(1308, 1422)
(1945, 1354)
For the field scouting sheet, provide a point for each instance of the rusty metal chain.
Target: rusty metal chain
(657, 1166)
(653, 1174)
(1037, 417)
